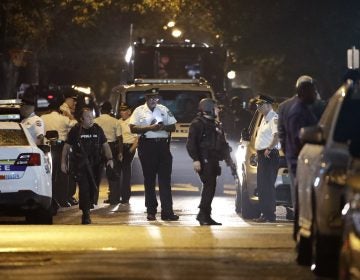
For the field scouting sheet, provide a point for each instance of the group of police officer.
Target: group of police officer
(84, 146)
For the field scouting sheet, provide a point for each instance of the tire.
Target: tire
(248, 209)
(345, 260)
(40, 216)
(304, 251)
(325, 257)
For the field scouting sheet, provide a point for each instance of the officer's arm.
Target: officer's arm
(107, 151)
(64, 156)
(139, 129)
(169, 128)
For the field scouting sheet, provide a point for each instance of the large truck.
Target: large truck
(185, 60)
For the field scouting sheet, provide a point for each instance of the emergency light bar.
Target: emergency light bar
(170, 81)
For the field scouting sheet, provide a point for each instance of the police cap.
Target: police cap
(106, 107)
(264, 99)
(29, 97)
(151, 92)
(70, 93)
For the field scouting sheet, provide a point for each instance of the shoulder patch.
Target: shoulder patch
(276, 121)
(170, 113)
(38, 123)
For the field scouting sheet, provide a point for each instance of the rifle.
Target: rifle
(232, 165)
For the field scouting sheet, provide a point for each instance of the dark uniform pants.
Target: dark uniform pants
(114, 185)
(266, 176)
(88, 190)
(209, 172)
(125, 190)
(156, 159)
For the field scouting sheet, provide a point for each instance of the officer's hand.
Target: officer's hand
(197, 166)
(64, 167)
(110, 163)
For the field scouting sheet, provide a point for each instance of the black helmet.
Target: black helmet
(207, 105)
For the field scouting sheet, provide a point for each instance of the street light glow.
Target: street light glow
(176, 33)
(171, 23)
(128, 54)
(231, 75)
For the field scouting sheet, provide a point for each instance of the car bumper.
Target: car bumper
(23, 201)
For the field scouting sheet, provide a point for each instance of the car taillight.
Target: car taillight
(29, 159)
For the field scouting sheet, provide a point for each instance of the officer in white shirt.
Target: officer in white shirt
(154, 123)
(32, 122)
(61, 182)
(267, 147)
(130, 143)
(69, 105)
(112, 131)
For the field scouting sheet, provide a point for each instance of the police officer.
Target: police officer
(207, 146)
(154, 122)
(130, 143)
(69, 105)
(62, 124)
(112, 130)
(32, 122)
(267, 147)
(87, 140)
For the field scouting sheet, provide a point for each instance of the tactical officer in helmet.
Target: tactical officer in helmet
(207, 146)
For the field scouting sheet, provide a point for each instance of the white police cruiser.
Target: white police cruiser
(25, 175)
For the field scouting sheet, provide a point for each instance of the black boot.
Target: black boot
(85, 219)
(206, 220)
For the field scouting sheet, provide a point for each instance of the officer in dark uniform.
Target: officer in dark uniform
(207, 146)
(88, 141)
(153, 122)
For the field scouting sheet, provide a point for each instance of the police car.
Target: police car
(25, 174)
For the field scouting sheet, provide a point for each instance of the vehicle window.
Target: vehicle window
(349, 114)
(327, 117)
(13, 137)
(183, 104)
(254, 122)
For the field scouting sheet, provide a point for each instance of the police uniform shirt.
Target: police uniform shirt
(58, 122)
(266, 131)
(143, 116)
(35, 125)
(110, 125)
(128, 137)
(65, 109)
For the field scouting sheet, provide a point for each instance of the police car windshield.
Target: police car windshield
(183, 104)
(13, 137)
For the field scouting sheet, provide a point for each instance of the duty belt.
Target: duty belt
(162, 139)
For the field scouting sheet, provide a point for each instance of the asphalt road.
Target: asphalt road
(122, 244)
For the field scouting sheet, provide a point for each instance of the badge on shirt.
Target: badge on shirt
(38, 123)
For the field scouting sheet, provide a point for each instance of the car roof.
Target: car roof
(165, 84)
(10, 125)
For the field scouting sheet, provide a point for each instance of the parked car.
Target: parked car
(25, 175)
(247, 200)
(321, 174)
(349, 265)
(182, 97)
